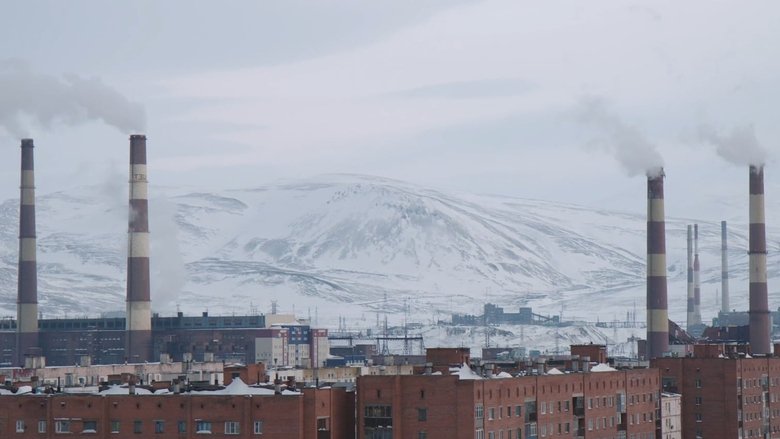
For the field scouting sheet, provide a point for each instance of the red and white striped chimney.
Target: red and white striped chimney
(724, 268)
(691, 298)
(696, 277)
(138, 341)
(760, 320)
(657, 312)
(27, 298)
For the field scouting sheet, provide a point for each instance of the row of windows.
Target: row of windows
(201, 426)
(479, 412)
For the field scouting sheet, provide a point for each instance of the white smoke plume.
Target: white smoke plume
(46, 100)
(625, 142)
(740, 146)
(169, 273)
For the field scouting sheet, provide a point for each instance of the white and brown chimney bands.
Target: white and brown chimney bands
(657, 311)
(138, 343)
(691, 316)
(27, 298)
(760, 320)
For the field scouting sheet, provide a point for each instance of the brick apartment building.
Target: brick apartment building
(725, 394)
(310, 414)
(464, 405)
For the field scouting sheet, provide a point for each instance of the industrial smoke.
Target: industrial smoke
(30, 97)
(740, 146)
(625, 142)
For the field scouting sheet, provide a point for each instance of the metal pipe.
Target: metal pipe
(724, 268)
(696, 277)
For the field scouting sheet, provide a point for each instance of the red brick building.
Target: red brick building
(311, 414)
(725, 394)
(609, 404)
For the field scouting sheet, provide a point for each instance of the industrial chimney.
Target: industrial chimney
(691, 300)
(27, 299)
(696, 277)
(657, 314)
(724, 268)
(760, 324)
(138, 341)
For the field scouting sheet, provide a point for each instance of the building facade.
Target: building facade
(310, 414)
(610, 404)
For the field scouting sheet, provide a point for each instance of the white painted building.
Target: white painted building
(671, 416)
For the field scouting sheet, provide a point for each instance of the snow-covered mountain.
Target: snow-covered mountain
(356, 246)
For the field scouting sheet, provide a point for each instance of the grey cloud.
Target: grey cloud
(485, 88)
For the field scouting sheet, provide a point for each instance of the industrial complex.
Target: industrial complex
(143, 375)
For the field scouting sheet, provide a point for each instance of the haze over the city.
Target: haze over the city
(504, 97)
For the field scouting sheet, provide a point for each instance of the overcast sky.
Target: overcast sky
(479, 96)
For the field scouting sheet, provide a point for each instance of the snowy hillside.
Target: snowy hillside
(338, 245)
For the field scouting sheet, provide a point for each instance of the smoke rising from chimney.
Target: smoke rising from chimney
(740, 146)
(45, 100)
(625, 142)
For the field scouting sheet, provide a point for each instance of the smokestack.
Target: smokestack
(691, 298)
(696, 277)
(27, 299)
(724, 270)
(657, 313)
(138, 342)
(760, 320)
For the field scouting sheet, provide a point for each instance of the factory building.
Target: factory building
(140, 336)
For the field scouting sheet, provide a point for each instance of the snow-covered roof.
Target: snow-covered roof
(465, 372)
(554, 371)
(124, 390)
(503, 374)
(602, 367)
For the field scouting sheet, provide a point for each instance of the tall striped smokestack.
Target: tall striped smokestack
(724, 267)
(657, 314)
(138, 342)
(696, 277)
(760, 320)
(691, 300)
(27, 301)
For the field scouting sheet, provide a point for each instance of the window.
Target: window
(159, 426)
(90, 427)
(422, 435)
(42, 426)
(20, 426)
(232, 427)
(698, 383)
(479, 411)
(182, 427)
(543, 430)
(698, 400)
(422, 414)
(479, 434)
(518, 410)
(491, 435)
(114, 426)
(138, 426)
(202, 427)
(491, 414)
(62, 426)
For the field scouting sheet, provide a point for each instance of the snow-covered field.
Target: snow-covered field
(363, 247)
